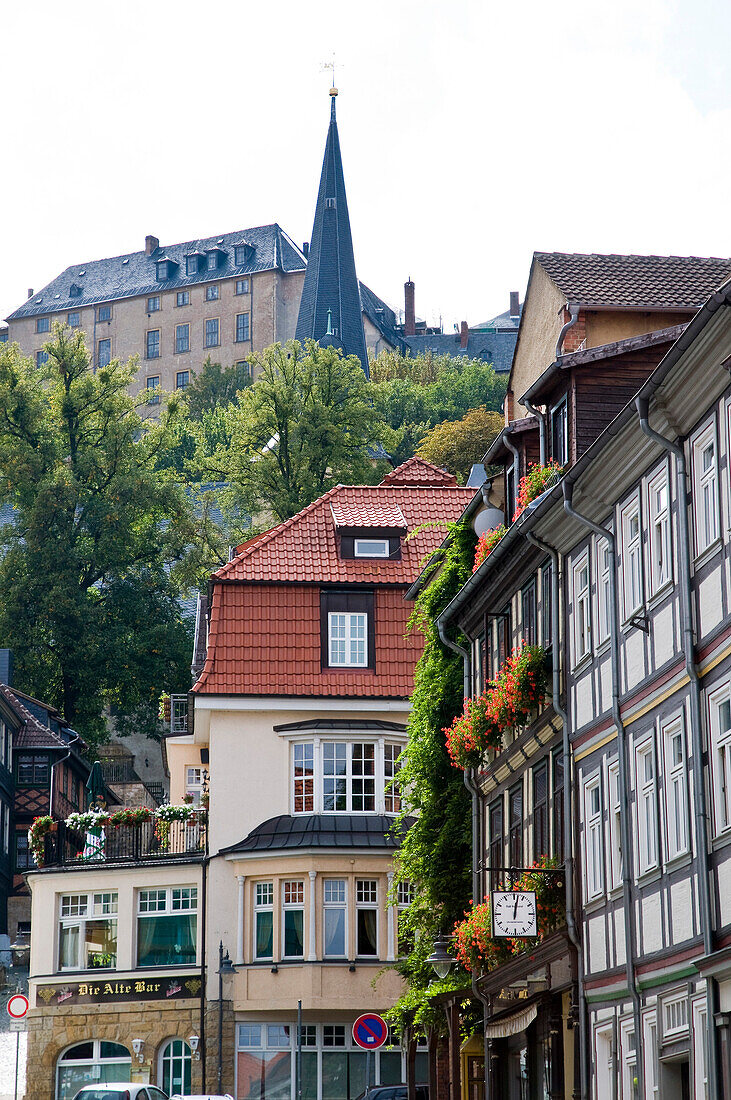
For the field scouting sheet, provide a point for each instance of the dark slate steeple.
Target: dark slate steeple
(331, 284)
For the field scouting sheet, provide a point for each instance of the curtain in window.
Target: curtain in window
(166, 941)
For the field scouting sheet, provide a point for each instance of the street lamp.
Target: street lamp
(440, 958)
(225, 969)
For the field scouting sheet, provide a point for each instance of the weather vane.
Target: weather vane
(331, 66)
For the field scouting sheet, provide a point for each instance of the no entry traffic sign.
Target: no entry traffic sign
(370, 1031)
(17, 1006)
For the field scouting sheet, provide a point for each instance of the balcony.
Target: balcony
(147, 841)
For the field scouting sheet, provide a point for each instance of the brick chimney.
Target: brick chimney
(514, 303)
(464, 333)
(151, 243)
(409, 308)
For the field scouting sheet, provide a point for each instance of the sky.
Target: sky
(473, 133)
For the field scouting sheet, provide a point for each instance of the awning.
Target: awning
(511, 1025)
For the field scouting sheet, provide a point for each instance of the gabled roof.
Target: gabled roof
(136, 273)
(419, 473)
(375, 517)
(657, 282)
(32, 734)
(331, 294)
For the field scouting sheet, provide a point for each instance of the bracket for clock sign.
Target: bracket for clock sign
(514, 914)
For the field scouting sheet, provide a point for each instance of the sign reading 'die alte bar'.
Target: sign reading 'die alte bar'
(176, 988)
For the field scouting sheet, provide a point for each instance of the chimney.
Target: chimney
(30, 291)
(409, 308)
(306, 249)
(464, 332)
(6, 667)
(151, 243)
(515, 303)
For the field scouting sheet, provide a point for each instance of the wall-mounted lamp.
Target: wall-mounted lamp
(193, 1041)
(351, 968)
(138, 1046)
(275, 969)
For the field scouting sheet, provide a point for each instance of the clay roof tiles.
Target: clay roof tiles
(417, 471)
(368, 516)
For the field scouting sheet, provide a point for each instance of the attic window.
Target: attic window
(162, 271)
(191, 265)
(243, 253)
(371, 548)
(74, 291)
(330, 204)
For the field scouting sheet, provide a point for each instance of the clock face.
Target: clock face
(514, 913)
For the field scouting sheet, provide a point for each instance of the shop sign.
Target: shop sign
(161, 988)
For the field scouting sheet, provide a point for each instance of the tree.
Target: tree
(306, 424)
(456, 444)
(215, 386)
(98, 533)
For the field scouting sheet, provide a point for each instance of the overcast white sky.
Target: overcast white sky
(472, 133)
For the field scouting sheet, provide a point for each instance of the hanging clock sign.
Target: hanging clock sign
(514, 914)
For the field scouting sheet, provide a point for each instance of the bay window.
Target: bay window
(293, 919)
(264, 920)
(87, 936)
(334, 924)
(303, 778)
(345, 777)
(167, 926)
(676, 788)
(366, 912)
(705, 488)
(646, 788)
(391, 768)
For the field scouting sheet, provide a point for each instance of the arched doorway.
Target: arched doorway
(92, 1062)
(174, 1068)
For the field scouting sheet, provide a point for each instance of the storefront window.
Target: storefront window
(175, 1068)
(91, 1063)
(88, 931)
(167, 926)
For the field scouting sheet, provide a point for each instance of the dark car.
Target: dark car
(393, 1092)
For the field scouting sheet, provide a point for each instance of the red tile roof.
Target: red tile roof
(374, 516)
(32, 734)
(417, 471)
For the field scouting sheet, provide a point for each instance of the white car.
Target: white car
(206, 1096)
(120, 1090)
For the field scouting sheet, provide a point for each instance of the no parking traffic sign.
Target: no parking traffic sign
(370, 1031)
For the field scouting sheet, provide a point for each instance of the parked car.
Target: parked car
(392, 1092)
(120, 1090)
(207, 1096)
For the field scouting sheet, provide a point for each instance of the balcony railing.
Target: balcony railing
(149, 840)
(178, 713)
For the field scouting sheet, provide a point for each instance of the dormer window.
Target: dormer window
(371, 548)
(243, 253)
(191, 264)
(347, 630)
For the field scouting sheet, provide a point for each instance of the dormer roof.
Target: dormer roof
(351, 516)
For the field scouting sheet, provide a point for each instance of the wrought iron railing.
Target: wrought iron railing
(119, 771)
(149, 840)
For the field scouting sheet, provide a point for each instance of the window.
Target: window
(366, 917)
(162, 271)
(195, 782)
(152, 347)
(371, 548)
(676, 788)
(546, 597)
(304, 778)
(391, 768)
(211, 260)
(175, 1064)
(153, 304)
(650, 1057)
(191, 265)
(240, 252)
(675, 1016)
(96, 1060)
(630, 1089)
(104, 313)
(345, 777)
(603, 590)
(182, 379)
(705, 489)
(540, 810)
(646, 787)
(41, 358)
(700, 1050)
(528, 613)
(293, 915)
(87, 937)
(212, 293)
(348, 639)
(212, 340)
(242, 285)
(23, 859)
(43, 324)
(182, 338)
(167, 926)
(593, 838)
(559, 433)
(660, 562)
(348, 777)
(615, 832)
(515, 825)
(720, 706)
(264, 920)
(405, 897)
(33, 770)
(558, 805)
(582, 609)
(631, 558)
(73, 319)
(104, 353)
(497, 841)
(504, 631)
(334, 918)
(242, 328)
(153, 386)
(245, 369)
(182, 298)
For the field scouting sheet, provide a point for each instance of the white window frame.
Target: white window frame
(675, 1005)
(648, 854)
(650, 1056)
(675, 783)
(706, 500)
(633, 595)
(371, 548)
(352, 623)
(263, 903)
(581, 616)
(335, 904)
(720, 700)
(593, 837)
(291, 907)
(660, 544)
(614, 831)
(628, 1060)
(370, 903)
(96, 905)
(195, 781)
(699, 1016)
(605, 1066)
(391, 767)
(603, 591)
(386, 753)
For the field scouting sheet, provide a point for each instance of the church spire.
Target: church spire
(330, 308)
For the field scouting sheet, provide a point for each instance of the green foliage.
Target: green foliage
(216, 385)
(306, 424)
(456, 444)
(100, 533)
(436, 853)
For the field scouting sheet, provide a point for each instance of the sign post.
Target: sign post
(370, 1032)
(17, 1008)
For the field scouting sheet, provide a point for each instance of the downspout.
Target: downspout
(569, 862)
(541, 416)
(573, 308)
(686, 611)
(624, 791)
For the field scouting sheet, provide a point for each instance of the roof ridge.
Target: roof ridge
(634, 256)
(28, 717)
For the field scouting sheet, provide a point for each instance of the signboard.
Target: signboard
(17, 1006)
(160, 988)
(17, 1025)
(370, 1031)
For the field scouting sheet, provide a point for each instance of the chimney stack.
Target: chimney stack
(6, 667)
(409, 308)
(151, 243)
(306, 249)
(464, 333)
(30, 291)
(514, 303)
